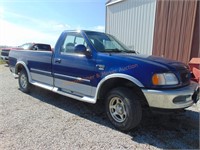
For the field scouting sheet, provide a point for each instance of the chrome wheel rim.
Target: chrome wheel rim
(23, 81)
(117, 109)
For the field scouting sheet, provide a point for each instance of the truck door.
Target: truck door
(73, 71)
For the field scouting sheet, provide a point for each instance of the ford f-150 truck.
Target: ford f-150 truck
(92, 66)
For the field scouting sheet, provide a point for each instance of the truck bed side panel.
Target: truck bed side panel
(38, 63)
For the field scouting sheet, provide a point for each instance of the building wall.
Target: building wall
(132, 22)
(175, 29)
(195, 51)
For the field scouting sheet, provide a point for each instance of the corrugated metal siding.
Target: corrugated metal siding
(195, 51)
(174, 27)
(132, 22)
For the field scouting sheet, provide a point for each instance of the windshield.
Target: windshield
(106, 43)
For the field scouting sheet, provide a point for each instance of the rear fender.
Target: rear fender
(21, 63)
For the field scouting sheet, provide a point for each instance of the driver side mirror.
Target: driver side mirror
(81, 49)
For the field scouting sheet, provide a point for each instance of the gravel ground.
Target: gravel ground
(45, 120)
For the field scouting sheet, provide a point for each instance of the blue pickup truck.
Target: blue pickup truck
(93, 66)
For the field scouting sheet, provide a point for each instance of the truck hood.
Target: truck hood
(172, 64)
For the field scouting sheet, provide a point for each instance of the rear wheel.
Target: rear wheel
(23, 81)
(123, 108)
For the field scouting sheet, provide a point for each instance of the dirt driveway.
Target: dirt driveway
(44, 120)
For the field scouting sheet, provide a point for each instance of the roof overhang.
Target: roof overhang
(114, 2)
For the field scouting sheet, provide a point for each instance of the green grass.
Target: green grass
(2, 62)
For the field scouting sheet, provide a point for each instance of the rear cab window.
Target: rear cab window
(42, 47)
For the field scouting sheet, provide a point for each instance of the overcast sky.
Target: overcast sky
(23, 21)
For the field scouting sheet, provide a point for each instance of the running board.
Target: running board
(44, 86)
(56, 90)
(80, 98)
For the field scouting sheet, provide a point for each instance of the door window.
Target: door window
(71, 40)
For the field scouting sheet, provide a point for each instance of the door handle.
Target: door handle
(100, 67)
(58, 60)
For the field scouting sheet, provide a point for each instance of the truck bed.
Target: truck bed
(38, 61)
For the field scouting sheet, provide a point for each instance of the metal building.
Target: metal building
(160, 27)
(132, 22)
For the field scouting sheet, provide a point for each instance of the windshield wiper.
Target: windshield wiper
(129, 51)
(116, 50)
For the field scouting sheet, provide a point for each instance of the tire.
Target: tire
(24, 84)
(123, 108)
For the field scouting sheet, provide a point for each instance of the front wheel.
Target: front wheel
(23, 81)
(123, 108)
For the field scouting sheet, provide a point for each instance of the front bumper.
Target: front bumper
(174, 98)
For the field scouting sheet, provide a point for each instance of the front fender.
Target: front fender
(116, 75)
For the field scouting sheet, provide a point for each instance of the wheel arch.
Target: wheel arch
(119, 80)
(22, 65)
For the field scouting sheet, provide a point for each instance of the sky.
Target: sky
(42, 21)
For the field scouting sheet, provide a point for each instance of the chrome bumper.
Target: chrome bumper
(174, 98)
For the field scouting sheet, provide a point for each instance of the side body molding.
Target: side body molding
(116, 75)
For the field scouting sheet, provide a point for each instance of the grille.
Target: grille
(185, 77)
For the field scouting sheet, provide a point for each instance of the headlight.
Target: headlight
(164, 79)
